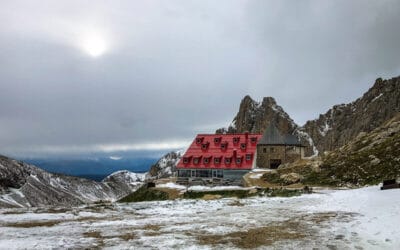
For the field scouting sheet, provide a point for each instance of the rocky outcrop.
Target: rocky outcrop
(165, 166)
(331, 130)
(24, 185)
(254, 117)
(344, 122)
(367, 159)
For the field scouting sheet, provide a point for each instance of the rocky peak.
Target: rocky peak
(255, 117)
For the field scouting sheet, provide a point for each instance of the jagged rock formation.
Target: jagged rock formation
(344, 122)
(331, 130)
(255, 117)
(166, 166)
(24, 185)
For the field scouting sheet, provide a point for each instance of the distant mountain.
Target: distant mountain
(25, 185)
(166, 165)
(95, 167)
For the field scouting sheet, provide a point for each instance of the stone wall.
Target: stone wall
(286, 154)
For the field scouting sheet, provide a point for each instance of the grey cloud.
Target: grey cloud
(177, 68)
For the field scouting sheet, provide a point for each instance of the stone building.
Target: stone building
(274, 149)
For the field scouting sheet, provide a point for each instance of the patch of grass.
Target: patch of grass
(293, 229)
(282, 192)
(30, 224)
(255, 237)
(128, 236)
(272, 178)
(145, 194)
(239, 193)
(93, 234)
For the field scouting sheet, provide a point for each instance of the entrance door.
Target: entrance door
(274, 163)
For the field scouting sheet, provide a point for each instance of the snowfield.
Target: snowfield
(365, 218)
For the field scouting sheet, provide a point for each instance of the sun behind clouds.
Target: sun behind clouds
(94, 45)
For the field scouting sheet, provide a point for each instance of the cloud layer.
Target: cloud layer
(173, 69)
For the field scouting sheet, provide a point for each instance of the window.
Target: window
(253, 139)
(217, 140)
(217, 160)
(206, 160)
(196, 160)
(236, 140)
(184, 173)
(218, 174)
(264, 150)
(224, 146)
(239, 160)
(199, 140)
(243, 146)
(227, 160)
(271, 149)
(248, 157)
(186, 160)
(204, 146)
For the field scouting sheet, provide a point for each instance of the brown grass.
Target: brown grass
(172, 193)
(30, 224)
(293, 229)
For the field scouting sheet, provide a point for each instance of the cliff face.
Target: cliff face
(331, 130)
(344, 122)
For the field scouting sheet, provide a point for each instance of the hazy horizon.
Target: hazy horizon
(82, 77)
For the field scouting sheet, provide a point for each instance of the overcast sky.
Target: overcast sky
(82, 76)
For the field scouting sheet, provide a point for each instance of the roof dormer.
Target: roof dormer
(186, 159)
(239, 160)
(204, 146)
(199, 140)
(196, 160)
(249, 157)
(228, 160)
(236, 139)
(243, 146)
(207, 159)
(224, 146)
(217, 140)
(253, 140)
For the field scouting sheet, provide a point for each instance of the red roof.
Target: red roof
(221, 151)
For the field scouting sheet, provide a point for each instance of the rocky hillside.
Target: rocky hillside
(165, 166)
(24, 185)
(368, 159)
(255, 117)
(344, 122)
(331, 130)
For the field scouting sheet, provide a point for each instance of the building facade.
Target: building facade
(218, 158)
(275, 149)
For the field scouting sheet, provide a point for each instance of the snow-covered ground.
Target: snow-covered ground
(365, 218)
